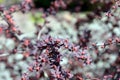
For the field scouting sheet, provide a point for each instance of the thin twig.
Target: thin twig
(40, 31)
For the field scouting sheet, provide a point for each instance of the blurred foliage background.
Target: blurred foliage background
(73, 5)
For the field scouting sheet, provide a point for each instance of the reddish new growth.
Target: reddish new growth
(114, 8)
(47, 54)
(1, 30)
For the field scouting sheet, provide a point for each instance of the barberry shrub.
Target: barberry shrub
(53, 58)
